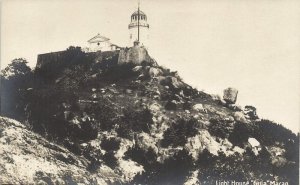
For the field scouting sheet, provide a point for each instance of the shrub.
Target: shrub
(110, 144)
(240, 134)
(251, 112)
(187, 105)
(103, 111)
(135, 121)
(110, 160)
(179, 131)
(118, 72)
(269, 132)
(171, 105)
(145, 158)
(219, 129)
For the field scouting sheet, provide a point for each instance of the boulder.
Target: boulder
(145, 141)
(170, 81)
(215, 97)
(238, 150)
(156, 97)
(240, 117)
(154, 72)
(277, 156)
(175, 83)
(198, 107)
(187, 111)
(230, 95)
(255, 145)
(155, 107)
(253, 142)
(235, 107)
(229, 119)
(137, 69)
(223, 102)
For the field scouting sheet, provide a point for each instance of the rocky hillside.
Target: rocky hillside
(102, 122)
(28, 158)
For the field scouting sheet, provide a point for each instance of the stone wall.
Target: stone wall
(56, 57)
(46, 58)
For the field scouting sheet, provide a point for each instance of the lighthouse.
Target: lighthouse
(138, 28)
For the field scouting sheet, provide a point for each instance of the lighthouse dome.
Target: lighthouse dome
(138, 15)
(137, 12)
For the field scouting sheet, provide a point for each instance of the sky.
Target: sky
(251, 45)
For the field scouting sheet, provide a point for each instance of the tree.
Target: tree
(16, 78)
(17, 67)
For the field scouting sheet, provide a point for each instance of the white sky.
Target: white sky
(252, 45)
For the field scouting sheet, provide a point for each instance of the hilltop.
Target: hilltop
(134, 123)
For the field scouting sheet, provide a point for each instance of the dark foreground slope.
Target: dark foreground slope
(128, 124)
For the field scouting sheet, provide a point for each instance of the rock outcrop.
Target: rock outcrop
(230, 95)
(136, 55)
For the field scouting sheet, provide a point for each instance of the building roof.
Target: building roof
(98, 38)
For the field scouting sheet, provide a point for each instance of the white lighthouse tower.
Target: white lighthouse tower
(138, 28)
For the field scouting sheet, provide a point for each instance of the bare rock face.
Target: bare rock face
(230, 95)
(135, 55)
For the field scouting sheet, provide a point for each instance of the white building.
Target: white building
(102, 43)
(138, 28)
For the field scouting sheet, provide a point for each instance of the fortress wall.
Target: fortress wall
(55, 57)
(46, 58)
